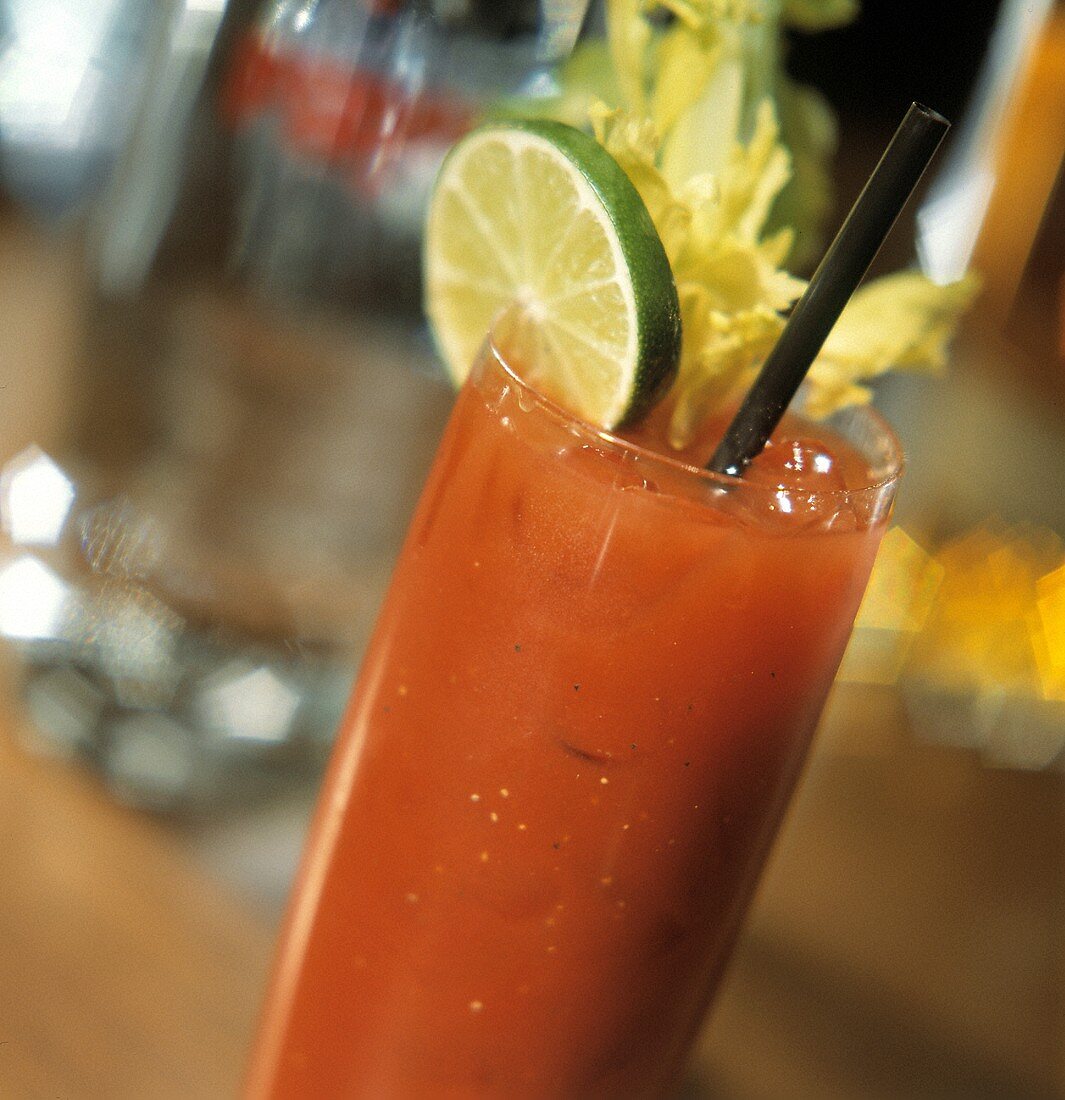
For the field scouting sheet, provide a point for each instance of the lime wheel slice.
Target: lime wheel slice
(537, 235)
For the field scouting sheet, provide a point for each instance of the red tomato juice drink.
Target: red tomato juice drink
(588, 698)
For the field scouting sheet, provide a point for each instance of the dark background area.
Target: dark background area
(895, 52)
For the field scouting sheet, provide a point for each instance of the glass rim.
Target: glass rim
(893, 462)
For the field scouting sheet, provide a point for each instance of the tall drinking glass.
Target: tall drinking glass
(588, 698)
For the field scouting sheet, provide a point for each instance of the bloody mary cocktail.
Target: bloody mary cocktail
(589, 695)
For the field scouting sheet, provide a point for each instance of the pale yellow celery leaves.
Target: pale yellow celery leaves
(808, 129)
(694, 78)
(726, 251)
(712, 228)
(753, 177)
(729, 212)
(704, 14)
(899, 322)
(685, 59)
(718, 349)
(728, 275)
(819, 15)
(702, 137)
(664, 75)
(731, 286)
(632, 142)
(629, 41)
(702, 126)
(741, 277)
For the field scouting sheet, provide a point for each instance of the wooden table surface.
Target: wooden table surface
(906, 941)
(124, 971)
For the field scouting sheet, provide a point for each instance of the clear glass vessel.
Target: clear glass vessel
(585, 705)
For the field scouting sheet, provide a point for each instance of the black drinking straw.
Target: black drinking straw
(835, 280)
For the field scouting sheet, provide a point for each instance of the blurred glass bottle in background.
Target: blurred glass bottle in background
(187, 577)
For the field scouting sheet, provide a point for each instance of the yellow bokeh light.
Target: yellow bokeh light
(984, 614)
(979, 636)
(1048, 633)
(898, 600)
